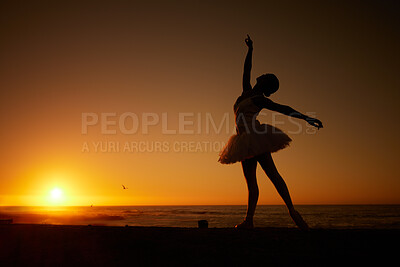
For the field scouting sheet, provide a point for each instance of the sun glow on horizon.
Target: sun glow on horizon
(56, 196)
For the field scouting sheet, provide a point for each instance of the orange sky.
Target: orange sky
(337, 60)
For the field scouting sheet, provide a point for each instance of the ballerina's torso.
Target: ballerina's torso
(246, 112)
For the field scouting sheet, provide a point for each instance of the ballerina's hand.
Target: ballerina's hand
(249, 42)
(315, 122)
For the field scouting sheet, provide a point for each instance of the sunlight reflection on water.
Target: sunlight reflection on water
(357, 216)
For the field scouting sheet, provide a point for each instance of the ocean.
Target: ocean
(317, 216)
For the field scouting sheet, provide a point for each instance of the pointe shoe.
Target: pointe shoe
(299, 221)
(245, 225)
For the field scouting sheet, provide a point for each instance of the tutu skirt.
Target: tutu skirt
(246, 145)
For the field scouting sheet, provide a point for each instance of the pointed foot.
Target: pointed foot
(298, 220)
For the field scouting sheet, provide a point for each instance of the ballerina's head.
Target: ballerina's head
(267, 84)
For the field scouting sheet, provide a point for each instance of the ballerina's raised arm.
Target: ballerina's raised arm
(247, 65)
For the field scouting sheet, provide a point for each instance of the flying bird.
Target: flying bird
(123, 187)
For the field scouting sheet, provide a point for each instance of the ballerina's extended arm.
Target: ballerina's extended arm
(247, 65)
(286, 110)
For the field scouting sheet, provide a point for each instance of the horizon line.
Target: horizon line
(183, 205)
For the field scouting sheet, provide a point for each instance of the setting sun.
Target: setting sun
(56, 193)
(56, 196)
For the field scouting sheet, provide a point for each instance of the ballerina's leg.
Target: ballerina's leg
(268, 165)
(249, 167)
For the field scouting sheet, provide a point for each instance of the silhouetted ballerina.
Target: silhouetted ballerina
(254, 142)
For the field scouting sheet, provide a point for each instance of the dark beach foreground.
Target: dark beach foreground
(60, 245)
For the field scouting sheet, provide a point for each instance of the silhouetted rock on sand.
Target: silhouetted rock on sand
(51, 245)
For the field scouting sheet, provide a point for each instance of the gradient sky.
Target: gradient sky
(336, 59)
